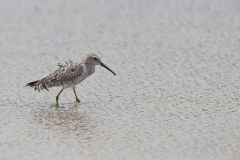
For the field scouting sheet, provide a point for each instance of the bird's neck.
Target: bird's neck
(90, 68)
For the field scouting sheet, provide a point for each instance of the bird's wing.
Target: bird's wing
(65, 73)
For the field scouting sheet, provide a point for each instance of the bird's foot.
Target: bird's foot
(77, 100)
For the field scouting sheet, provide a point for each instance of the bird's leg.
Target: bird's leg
(77, 100)
(57, 97)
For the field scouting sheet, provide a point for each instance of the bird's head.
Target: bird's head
(94, 59)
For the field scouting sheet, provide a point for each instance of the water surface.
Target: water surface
(175, 96)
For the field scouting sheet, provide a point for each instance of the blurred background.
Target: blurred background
(175, 96)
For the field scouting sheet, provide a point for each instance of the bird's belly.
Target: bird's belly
(74, 82)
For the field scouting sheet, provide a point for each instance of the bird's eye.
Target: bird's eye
(95, 58)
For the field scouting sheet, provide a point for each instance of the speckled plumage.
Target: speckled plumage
(69, 74)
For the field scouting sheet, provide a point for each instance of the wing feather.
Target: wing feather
(64, 74)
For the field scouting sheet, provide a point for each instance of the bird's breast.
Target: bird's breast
(85, 73)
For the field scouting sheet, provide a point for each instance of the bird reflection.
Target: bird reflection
(65, 120)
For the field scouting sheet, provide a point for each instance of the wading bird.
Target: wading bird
(69, 75)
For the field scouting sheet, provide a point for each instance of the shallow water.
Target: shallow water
(175, 96)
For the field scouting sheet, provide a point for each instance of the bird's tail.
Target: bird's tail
(37, 85)
(32, 84)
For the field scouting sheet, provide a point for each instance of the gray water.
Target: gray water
(175, 97)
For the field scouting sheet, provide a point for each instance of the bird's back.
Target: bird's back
(66, 75)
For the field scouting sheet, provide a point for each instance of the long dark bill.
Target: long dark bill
(103, 65)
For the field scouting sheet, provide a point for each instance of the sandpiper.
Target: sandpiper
(69, 75)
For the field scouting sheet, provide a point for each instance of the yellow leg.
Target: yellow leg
(57, 97)
(77, 100)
